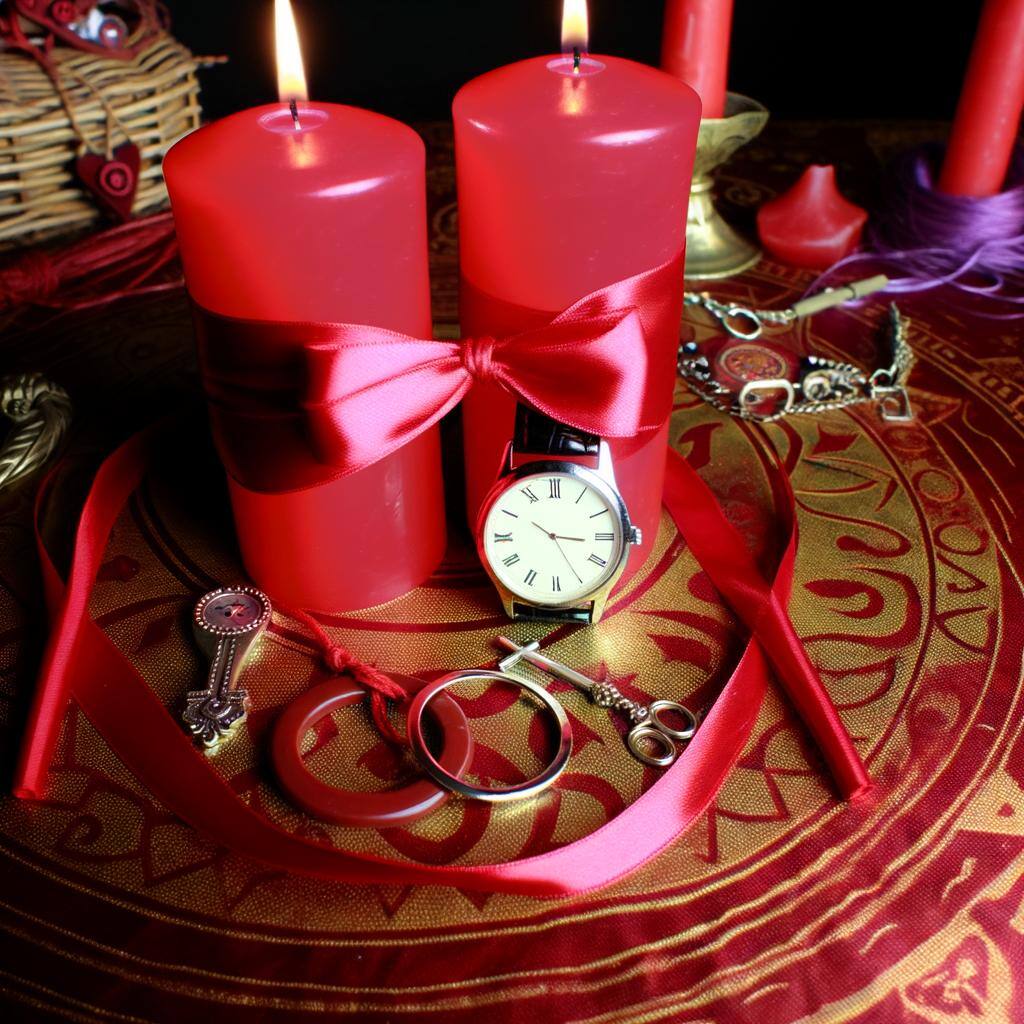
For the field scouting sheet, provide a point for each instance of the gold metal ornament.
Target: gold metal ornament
(713, 249)
(41, 413)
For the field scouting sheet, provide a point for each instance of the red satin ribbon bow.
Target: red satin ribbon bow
(294, 405)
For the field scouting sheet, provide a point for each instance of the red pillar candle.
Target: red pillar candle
(695, 48)
(567, 183)
(325, 223)
(985, 128)
(812, 225)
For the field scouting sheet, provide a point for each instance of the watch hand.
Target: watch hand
(556, 536)
(566, 557)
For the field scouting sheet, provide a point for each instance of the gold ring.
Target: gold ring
(442, 777)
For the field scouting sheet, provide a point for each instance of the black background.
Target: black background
(406, 58)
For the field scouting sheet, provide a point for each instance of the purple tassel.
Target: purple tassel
(926, 239)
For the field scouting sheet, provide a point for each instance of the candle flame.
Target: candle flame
(291, 76)
(575, 26)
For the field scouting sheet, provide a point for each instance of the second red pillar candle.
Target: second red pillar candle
(695, 48)
(567, 183)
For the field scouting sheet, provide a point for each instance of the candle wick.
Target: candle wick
(293, 106)
(577, 57)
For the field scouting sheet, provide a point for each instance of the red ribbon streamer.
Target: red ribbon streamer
(294, 405)
(82, 662)
(723, 555)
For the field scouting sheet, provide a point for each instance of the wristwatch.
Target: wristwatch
(554, 533)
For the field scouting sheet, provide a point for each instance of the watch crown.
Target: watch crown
(636, 537)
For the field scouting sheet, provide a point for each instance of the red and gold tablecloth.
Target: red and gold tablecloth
(780, 905)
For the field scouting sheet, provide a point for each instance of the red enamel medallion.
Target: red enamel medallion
(735, 363)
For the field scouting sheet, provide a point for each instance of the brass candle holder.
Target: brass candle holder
(713, 249)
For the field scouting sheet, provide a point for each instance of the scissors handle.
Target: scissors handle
(686, 733)
(664, 736)
(640, 736)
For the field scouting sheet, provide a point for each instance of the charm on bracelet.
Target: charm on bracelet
(761, 380)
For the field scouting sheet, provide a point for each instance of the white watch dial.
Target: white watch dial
(552, 538)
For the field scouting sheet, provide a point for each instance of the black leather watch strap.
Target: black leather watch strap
(535, 613)
(538, 434)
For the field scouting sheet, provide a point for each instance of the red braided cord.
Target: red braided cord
(380, 686)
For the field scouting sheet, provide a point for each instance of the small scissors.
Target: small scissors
(647, 726)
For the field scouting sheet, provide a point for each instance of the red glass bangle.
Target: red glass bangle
(360, 809)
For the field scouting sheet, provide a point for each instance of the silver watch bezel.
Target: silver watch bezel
(594, 478)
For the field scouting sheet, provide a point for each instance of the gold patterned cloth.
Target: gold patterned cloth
(780, 905)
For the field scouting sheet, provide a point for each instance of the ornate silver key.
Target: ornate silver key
(647, 727)
(226, 623)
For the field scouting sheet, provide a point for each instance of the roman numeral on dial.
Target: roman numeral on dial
(533, 497)
(597, 560)
(597, 536)
(511, 560)
(556, 584)
(502, 538)
(529, 578)
(556, 487)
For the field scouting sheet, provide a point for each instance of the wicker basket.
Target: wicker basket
(155, 98)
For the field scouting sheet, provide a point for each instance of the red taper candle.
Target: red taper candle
(567, 182)
(695, 48)
(987, 117)
(319, 216)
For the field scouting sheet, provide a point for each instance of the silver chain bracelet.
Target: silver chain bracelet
(758, 380)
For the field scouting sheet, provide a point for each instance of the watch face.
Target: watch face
(553, 538)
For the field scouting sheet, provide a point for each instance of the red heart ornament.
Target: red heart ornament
(113, 182)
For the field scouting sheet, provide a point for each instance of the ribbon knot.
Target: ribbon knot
(294, 405)
(380, 687)
(478, 357)
(341, 661)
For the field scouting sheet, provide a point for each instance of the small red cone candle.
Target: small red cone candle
(811, 225)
